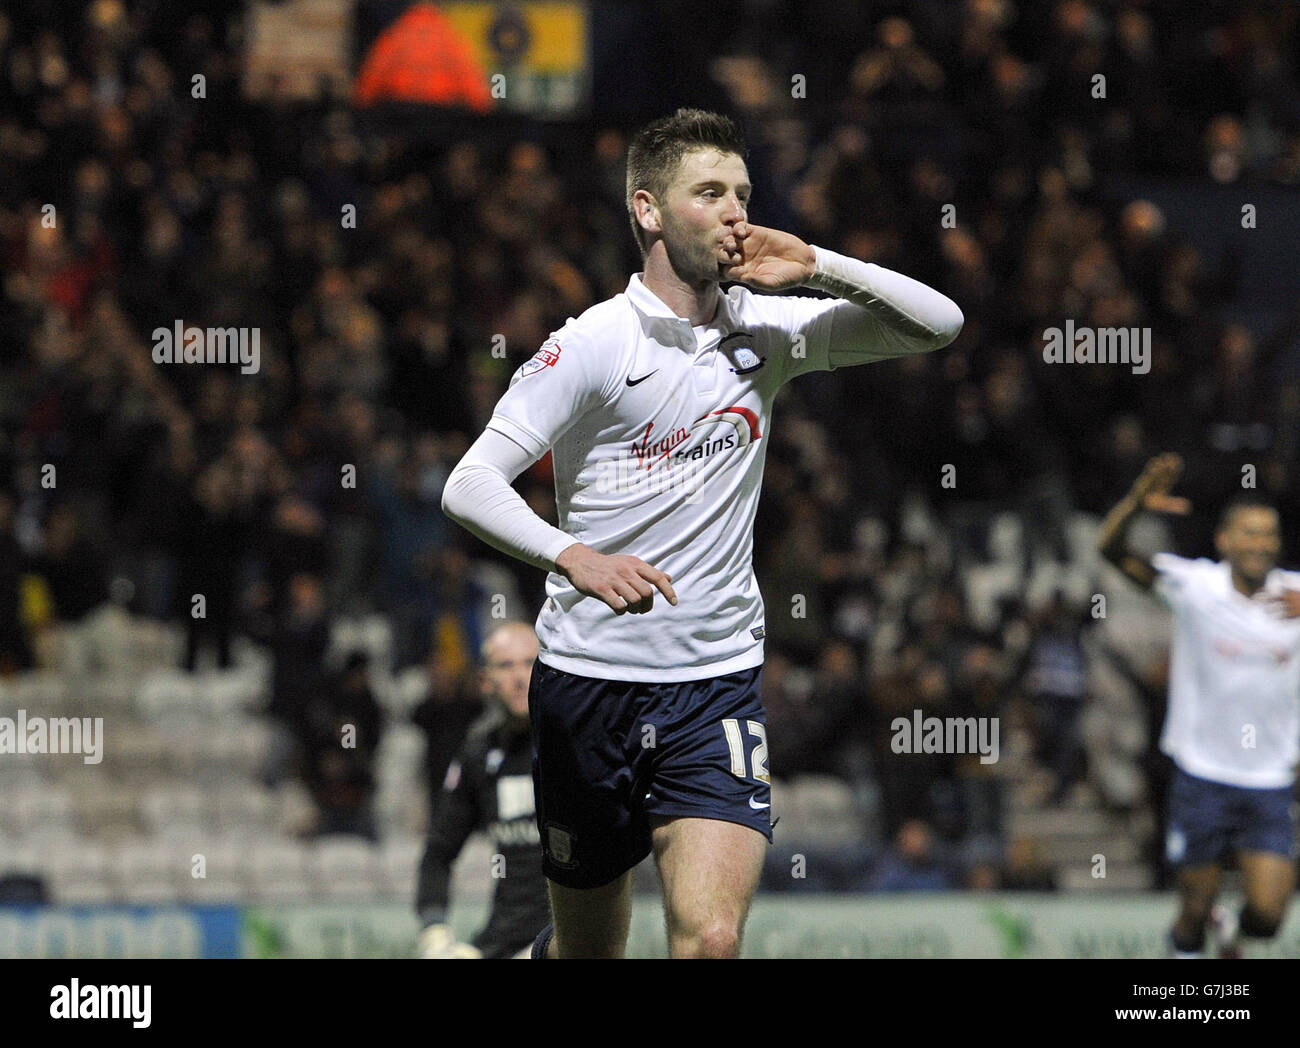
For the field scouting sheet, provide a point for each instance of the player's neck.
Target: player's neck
(1244, 586)
(697, 303)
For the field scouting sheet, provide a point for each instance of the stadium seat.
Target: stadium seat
(278, 868)
(400, 856)
(163, 691)
(346, 867)
(253, 740)
(147, 871)
(43, 690)
(377, 636)
(225, 867)
(35, 807)
(175, 807)
(138, 753)
(295, 811)
(245, 807)
(408, 689)
(471, 876)
(78, 868)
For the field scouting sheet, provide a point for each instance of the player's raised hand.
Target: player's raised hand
(766, 258)
(1151, 489)
(624, 582)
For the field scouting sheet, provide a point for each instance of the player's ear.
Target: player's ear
(647, 211)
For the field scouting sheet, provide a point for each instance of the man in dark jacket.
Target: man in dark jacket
(489, 786)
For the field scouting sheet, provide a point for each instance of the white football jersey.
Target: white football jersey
(659, 432)
(1234, 676)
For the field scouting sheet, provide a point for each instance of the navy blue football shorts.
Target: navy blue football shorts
(608, 755)
(1210, 820)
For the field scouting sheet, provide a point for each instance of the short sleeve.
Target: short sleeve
(1174, 574)
(550, 391)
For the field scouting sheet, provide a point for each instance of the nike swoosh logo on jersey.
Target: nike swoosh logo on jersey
(756, 805)
(633, 381)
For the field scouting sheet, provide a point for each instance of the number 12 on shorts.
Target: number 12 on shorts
(736, 744)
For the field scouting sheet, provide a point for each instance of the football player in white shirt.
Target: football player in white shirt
(1233, 723)
(649, 733)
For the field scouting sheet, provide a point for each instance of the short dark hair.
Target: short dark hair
(656, 151)
(1239, 502)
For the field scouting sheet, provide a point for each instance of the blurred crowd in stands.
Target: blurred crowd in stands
(310, 490)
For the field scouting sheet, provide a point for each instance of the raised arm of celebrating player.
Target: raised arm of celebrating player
(884, 314)
(1150, 491)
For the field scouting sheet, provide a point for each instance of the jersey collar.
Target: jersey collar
(653, 308)
(1273, 581)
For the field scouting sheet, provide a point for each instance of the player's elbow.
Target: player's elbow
(949, 322)
(455, 500)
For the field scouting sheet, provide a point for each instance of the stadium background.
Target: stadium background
(480, 224)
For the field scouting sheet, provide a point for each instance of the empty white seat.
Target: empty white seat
(278, 868)
(106, 805)
(245, 806)
(79, 870)
(402, 747)
(400, 856)
(346, 868)
(147, 870)
(82, 892)
(39, 690)
(233, 692)
(164, 690)
(410, 688)
(377, 637)
(253, 738)
(31, 807)
(176, 804)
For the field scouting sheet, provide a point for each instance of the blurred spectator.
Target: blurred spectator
(1056, 683)
(15, 651)
(912, 863)
(74, 570)
(1025, 868)
(212, 536)
(298, 637)
(343, 725)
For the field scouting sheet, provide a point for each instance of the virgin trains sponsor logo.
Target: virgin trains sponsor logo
(680, 452)
(733, 427)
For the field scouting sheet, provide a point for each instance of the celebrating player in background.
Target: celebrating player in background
(1233, 725)
(490, 787)
(657, 405)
